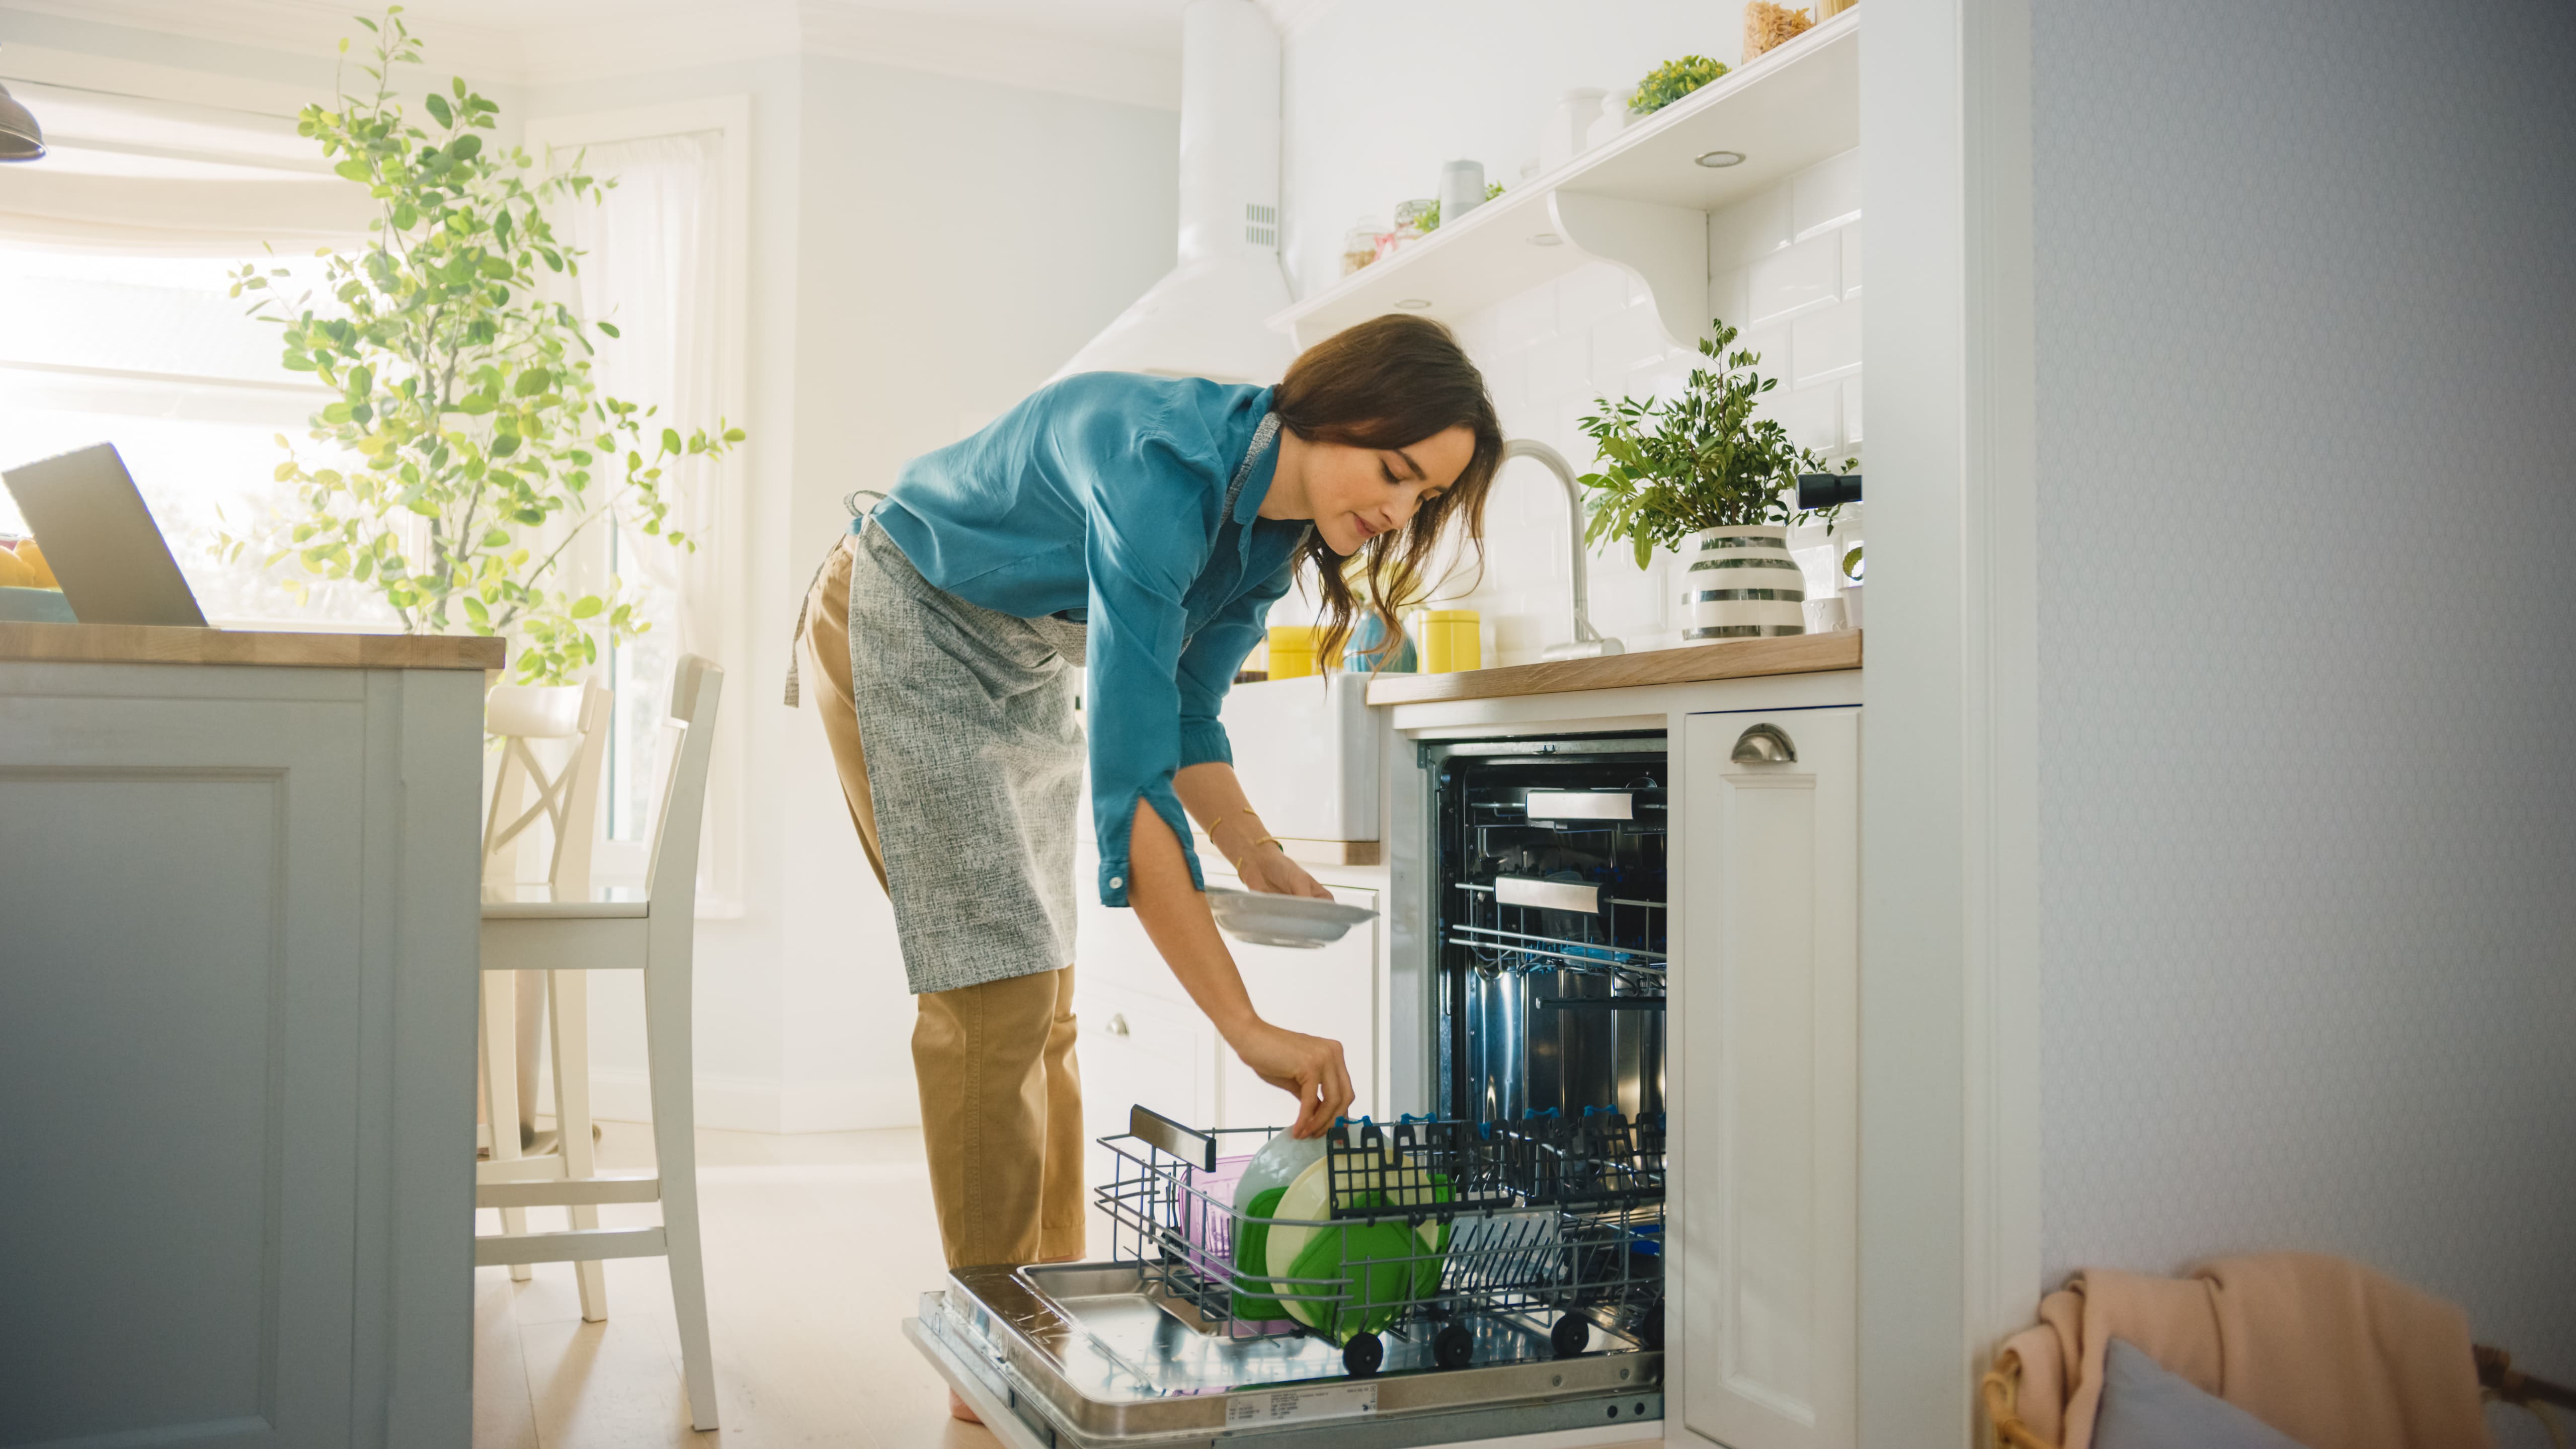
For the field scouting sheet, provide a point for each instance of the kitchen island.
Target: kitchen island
(238, 914)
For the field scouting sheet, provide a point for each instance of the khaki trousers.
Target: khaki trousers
(1001, 1094)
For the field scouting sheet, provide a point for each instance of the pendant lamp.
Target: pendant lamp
(21, 139)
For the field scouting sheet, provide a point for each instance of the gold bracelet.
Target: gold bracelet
(1237, 860)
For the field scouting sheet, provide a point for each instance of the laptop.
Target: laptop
(101, 542)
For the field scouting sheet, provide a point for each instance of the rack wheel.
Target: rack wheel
(1651, 1331)
(1572, 1335)
(1453, 1347)
(1363, 1354)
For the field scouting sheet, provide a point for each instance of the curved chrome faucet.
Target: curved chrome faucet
(1587, 642)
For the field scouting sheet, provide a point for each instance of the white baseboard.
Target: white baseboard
(758, 1104)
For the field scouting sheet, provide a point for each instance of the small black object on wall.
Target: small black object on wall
(1827, 490)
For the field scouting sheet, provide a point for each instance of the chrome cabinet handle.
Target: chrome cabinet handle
(1116, 1025)
(1764, 744)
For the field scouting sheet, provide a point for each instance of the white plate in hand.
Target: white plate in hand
(1261, 918)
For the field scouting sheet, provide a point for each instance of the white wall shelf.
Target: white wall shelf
(1641, 201)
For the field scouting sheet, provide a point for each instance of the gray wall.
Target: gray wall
(2306, 341)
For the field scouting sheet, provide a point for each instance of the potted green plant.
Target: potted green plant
(483, 446)
(1701, 472)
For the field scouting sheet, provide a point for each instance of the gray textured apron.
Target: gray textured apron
(975, 764)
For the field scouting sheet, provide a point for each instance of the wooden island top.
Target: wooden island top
(146, 644)
(1687, 664)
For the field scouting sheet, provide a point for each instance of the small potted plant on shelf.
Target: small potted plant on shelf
(1702, 473)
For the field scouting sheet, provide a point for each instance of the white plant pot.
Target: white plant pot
(1740, 583)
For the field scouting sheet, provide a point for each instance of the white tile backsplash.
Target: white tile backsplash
(1790, 256)
(1797, 279)
(1825, 195)
(1826, 344)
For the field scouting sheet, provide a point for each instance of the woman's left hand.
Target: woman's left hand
(1268, 868)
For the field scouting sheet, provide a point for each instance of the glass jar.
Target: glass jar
(1359, 244)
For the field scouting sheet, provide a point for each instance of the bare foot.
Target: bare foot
(957, 1409)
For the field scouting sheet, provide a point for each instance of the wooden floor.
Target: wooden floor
(818, 1246)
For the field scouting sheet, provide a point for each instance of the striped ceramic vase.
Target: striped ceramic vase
(1740, 583)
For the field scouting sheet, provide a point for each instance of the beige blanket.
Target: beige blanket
(2325, 1350)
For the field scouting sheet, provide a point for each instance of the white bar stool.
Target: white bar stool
(566, 801)
(652, 935)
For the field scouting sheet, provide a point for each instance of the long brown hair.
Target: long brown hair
(1391, 382)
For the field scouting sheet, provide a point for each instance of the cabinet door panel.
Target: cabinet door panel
(1330, 991)
(1770, 1126)
(1138, 1051)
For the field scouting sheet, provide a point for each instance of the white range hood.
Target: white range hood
(1208, 318)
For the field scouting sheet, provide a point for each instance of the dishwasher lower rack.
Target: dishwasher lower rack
(1548, 1232)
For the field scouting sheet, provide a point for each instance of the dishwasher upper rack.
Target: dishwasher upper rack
(1550, 1231)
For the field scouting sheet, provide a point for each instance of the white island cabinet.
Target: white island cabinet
(238, 924)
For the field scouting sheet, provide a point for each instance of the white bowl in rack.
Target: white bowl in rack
(1261, 918)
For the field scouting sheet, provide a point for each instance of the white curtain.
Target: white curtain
(649, 268)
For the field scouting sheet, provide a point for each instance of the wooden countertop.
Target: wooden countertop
(143, 644)
(1690, 663)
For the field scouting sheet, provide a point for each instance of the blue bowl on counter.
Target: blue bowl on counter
(35, 606)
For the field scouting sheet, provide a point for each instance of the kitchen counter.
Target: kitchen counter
(240, 913)
(1727, 659)
(142, 644)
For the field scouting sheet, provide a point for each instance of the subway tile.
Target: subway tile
(1753, 227)
(1800, 279)
(1726, 295)
(1589, 293)
(1770, 346)
(1827, 343)
(1851, 259)
(1623, 341)
(1525, 318)
(1813, 416)
(1560, 370)
(1826, 194)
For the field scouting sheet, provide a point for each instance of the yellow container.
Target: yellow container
(1292, 650)
(1450, 641)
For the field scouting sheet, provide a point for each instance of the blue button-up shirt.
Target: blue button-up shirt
(1102, 498)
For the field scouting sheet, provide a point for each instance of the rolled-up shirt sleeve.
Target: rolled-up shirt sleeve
(1208, 665)
(1142, 554)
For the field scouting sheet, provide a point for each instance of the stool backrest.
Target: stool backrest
(566, 799)
(696, 687)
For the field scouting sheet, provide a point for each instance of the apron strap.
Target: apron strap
(794, 692)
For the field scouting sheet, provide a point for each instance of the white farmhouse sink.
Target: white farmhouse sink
(1306, 750)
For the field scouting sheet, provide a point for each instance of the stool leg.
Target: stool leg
(667, 1003)
(568, 995)
(501, 1087)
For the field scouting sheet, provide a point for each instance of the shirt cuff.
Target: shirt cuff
(1114, 873)
(1204, 741)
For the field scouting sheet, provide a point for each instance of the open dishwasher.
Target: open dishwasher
(1491, 1269)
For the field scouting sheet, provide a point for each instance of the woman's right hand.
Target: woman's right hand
(1309, 1068)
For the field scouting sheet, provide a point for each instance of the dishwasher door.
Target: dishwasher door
(1090, 1356)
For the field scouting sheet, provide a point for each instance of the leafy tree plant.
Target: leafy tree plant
(484, 445)
(1697, 461)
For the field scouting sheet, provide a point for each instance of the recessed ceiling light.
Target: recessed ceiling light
(1715, 159)
(1414, 304)
(1545, 239)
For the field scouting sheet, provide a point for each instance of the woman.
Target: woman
(1140, 527)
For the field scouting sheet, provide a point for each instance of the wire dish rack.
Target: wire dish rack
(1485, 1242)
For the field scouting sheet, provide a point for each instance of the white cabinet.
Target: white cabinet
(1138, 1050)
(236, 1051)
(1330, 991)
(1144, 1041)
(1768, 1007)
